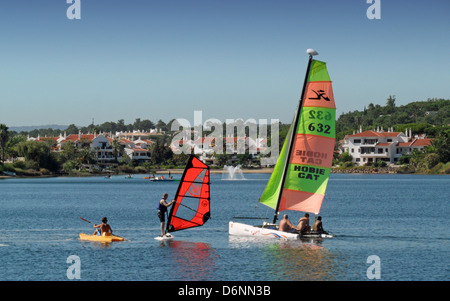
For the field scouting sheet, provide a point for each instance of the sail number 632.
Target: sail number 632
(319, 127)
(320, 115)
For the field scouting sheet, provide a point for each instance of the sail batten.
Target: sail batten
(301, 174)
(192, 200)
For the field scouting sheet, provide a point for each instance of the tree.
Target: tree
(121, 125)
(72, 129)
(430, 160)
(441, 146)
(11, 150)
(346, 157)
(86, 156)
(244, 159)
(4, 136)
(180, 160)
(390, 101)
(69, 151)
(417, 158)
(118, 149)
(161, 125)
(38, 155)
(160, 152)
(222, 159)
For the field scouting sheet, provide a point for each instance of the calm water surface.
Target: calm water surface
(402, 219)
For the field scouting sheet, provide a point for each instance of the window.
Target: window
(357, 141)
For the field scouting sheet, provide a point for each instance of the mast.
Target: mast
(311, 53)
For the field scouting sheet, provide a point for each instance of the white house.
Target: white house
(369, 146)
(138, 154)
(100, 144)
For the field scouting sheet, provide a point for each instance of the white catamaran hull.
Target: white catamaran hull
(240, 229)
(248, 230)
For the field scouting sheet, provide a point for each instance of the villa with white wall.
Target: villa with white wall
(101, 145)
(366, 147)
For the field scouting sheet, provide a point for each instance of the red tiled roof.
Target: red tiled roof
(375, 134)
(422, 142)
(139, 149)
(123, 140)
(74, 137)
(205, 140)
(404, 143)
(47, 138)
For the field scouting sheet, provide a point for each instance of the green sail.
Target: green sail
(270, 194)
(318, 72)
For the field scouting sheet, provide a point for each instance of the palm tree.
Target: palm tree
(118, 149)
(86, 156)
(4, 136)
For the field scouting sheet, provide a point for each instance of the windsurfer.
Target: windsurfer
(286, 225)
(162, 209)
(103, 227)
(303, 223)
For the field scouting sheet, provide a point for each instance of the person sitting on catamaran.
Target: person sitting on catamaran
(162, 210)
(103, 227)
(286, 225)
(303, 223)
(318, 226)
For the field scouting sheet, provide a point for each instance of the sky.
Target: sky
(165, 59)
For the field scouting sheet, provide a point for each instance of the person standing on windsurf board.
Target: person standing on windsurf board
(162, 211)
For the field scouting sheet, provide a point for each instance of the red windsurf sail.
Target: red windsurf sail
(191, 208)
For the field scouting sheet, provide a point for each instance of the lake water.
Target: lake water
(388, 227)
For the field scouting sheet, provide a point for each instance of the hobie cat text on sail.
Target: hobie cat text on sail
(310, 157)
(308, 172)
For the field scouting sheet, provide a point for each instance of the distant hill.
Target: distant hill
(29, 128)
(422, 116)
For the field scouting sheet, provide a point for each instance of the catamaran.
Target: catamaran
(192, 199)
(300, 176)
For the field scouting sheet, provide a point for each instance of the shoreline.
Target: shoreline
(216, 171)
(384, 170)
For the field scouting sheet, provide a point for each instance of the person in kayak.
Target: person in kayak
(286, 225)
(162, 209)
(103, 227)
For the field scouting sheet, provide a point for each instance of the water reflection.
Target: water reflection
(193, 260)
(299, 260)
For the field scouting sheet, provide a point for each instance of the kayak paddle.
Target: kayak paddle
(85, 220)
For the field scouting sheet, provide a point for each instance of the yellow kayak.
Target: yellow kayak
(103, 238)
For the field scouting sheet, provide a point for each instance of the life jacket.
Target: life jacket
(161, 207)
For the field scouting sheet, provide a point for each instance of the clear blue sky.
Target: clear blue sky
(163, 59)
